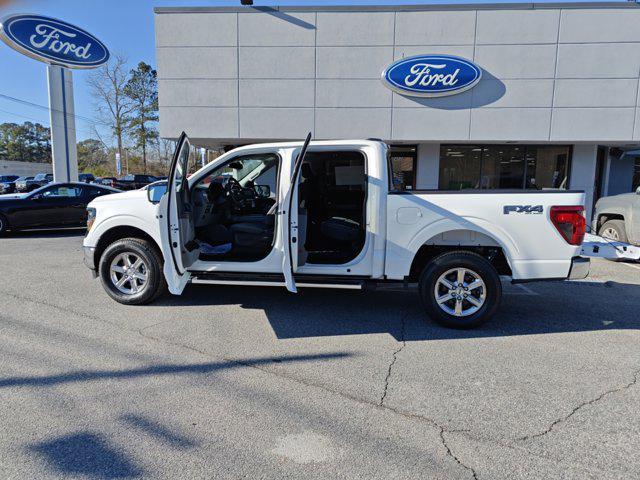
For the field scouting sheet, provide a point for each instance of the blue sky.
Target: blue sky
(125, 26)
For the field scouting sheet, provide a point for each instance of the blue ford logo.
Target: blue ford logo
(431, 75)
(53, 41)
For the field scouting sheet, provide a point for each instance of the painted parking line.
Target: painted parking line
(509, 288)
(631, 265)
(526, 289)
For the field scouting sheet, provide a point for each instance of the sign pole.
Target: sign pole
(63, 125)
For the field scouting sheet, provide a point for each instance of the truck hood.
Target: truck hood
(129, 196)
(617, 200)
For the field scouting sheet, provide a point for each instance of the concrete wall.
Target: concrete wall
(583, 172)
(24, 168)
(428, 167)
(550, 74)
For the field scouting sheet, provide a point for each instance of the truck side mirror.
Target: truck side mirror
(263, 191)
(155, 192)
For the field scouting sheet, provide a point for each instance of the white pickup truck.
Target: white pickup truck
(327, 214)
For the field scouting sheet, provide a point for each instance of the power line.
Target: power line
(44, 122)
(49, 109)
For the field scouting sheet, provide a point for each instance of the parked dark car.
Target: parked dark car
(7, 183)
(38, 181)
(134, 182)
(106, 181)
(86, 177)
(52, 206)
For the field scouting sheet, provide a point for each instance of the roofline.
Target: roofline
(411, 8)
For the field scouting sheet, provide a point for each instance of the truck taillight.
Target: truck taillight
(570, 222)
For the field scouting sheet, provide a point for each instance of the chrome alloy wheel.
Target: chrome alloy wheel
(610, 233)
(460, 292)
(129, 273)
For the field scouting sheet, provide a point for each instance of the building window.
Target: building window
(534, 167)
(636, 174)
(402, 159)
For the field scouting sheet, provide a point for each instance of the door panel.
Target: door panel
(176, 223)
(289, 224)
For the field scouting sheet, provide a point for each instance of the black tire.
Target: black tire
(460, 260)
(4, 226)
(617, 228)
(155, 284)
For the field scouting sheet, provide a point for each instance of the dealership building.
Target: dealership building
(557, 105)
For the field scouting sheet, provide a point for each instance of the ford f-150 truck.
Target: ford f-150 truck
(327, 215)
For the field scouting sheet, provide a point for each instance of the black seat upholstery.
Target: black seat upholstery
(251, 218)
(252, 228)
(341, 229)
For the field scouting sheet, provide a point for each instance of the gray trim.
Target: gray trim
(402, 8)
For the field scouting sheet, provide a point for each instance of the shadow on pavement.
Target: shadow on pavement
(154, 370)
(557, 307)
(86, 454)
(159, 431)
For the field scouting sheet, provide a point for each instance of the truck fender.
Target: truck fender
(429, 233)
(126, 220)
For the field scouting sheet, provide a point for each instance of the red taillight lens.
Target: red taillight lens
(570, 222)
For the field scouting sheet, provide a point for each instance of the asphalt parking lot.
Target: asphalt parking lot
(229, 382)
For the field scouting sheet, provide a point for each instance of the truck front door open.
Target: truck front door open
(176, 222)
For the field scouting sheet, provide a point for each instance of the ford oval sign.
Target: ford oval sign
(431, 75)
(53, 41)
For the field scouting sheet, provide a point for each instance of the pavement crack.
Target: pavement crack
(453, 455)
(403, 343)
(576, 409)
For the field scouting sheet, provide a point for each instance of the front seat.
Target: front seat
(256, 232)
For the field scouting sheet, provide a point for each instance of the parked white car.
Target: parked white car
(325, 215)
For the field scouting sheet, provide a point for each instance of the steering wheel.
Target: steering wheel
(239, 194)
(234, 189)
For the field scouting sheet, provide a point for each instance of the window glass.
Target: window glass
(260, 169)
(96, 192)
(181, 166)
(547, 167)
(459, 167)
(636, 174)
(402, 160)
(504, 166)
(62, 191)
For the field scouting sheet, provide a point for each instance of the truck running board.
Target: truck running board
(276, 280)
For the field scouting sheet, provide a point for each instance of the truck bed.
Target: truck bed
(516, 221)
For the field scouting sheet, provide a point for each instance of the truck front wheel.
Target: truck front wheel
(460, 289)
(614, 230)
(131, 271)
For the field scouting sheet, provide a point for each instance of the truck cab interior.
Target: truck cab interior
(233, 209)
(332, 206)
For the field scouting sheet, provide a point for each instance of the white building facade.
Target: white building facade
(557, 105)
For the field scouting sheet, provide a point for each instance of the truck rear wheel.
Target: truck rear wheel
(131, 271)
(460, 289)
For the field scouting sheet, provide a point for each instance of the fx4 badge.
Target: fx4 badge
(527, 209)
